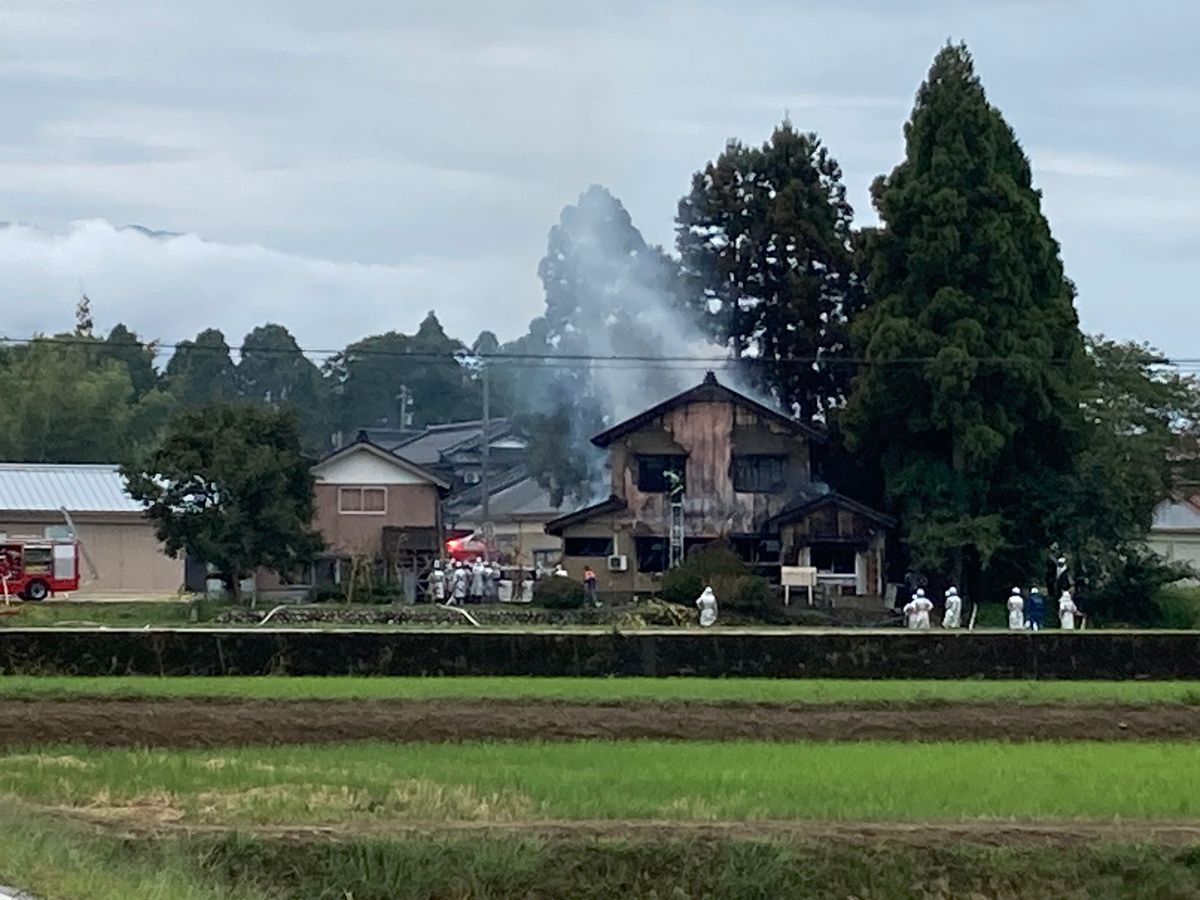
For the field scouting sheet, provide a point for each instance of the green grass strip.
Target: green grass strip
(599, 690)
(520, 781)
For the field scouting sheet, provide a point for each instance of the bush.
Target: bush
(1129, 595)
(703, 566)
(715, 565)
(1178, 607)
(744, 593)
(557, 592)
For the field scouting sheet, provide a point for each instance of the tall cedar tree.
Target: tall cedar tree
(200, 372)
(970, 396)
(608, 293)
(765, 241)
(230, 486)
(274, 370)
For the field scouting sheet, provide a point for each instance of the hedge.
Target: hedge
(843, 654)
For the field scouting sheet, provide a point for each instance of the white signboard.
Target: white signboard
(797, 577)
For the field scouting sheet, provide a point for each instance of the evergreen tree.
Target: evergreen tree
(202, 371)
(765, 242)
(274, 370)
(124, 346)
(970, 396)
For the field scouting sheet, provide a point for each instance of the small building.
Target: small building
(374, 505)
(739, 471)
(1175, 528)
(518, 511)
(121, 553)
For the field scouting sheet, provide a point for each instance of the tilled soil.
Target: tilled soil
(224, 722)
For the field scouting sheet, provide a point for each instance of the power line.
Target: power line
(536, 360)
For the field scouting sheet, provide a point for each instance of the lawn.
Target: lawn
(514, 782)
(604, 690)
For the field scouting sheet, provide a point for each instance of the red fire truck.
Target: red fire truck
(34, 568)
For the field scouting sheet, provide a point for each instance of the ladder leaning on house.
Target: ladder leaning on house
(675, 557)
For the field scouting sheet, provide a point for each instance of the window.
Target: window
(587, 546)
(651, 554)
(757, 551)
(834, 559)
(759, 474)
(653, 473)
(368, 501)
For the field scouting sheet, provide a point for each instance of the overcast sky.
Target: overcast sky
(342, 168)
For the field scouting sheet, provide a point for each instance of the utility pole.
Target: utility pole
(485, 448)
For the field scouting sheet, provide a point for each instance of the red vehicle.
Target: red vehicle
(35, 568)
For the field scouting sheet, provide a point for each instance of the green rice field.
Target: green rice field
(604, 690)
(688, 781)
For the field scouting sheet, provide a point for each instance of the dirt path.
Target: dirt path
(213, 723)
(1066, 834)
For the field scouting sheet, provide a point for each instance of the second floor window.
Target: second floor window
(654, 473)
(759, 474)
(362, 500)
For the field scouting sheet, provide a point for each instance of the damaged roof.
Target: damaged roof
(708, 391)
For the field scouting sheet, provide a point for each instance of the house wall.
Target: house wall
(408, 505)
(412, 502)
(710, 435)
(128, 557)
(1178, 546)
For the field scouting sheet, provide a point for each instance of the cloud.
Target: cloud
(172, 287)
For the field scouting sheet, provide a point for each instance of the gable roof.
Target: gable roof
(364, 444)
(708, 391)
(523, 497)
(39, 487)
(612, 504)
(807, 503)
(426, 448)
(1177, 514)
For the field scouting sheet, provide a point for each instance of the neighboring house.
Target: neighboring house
(372, 504)
(454, 451)
(745, 471)
(1175, 528)
(125, 555)
(518, 510)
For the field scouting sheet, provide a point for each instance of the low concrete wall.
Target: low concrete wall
(840, 654)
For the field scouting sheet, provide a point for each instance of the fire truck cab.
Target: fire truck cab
(36, 568)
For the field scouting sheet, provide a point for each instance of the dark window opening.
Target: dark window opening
(651, 554)
(834, 559)
(758, 551)
(587, 546)
(658, 474)
(759, 474)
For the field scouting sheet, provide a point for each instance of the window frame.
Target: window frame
(641, 459)
(756, 459)
(833, 549)
(362, 491)
(641, 554)
(569, 555)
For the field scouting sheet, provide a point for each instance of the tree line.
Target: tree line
(941, 348)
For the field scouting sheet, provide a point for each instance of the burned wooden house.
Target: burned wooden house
(711, 463)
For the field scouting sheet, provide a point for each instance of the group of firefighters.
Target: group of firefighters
(461, 583)
(1024, 614)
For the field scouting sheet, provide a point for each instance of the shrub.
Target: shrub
(1129, 594)
(704, 565)
(744, 593)
(557, 592)
(1178, 607)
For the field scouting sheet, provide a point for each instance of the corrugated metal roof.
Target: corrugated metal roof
(39, 488)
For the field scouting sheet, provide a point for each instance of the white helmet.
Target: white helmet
(952, 592)
(920, 592)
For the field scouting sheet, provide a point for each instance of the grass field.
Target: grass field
(601, 690)
(513, 782)
(63, 860)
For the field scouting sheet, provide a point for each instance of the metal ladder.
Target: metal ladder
(676, 554)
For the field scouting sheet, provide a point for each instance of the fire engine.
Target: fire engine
(34, 568)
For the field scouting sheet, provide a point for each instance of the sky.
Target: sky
(343, 168)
